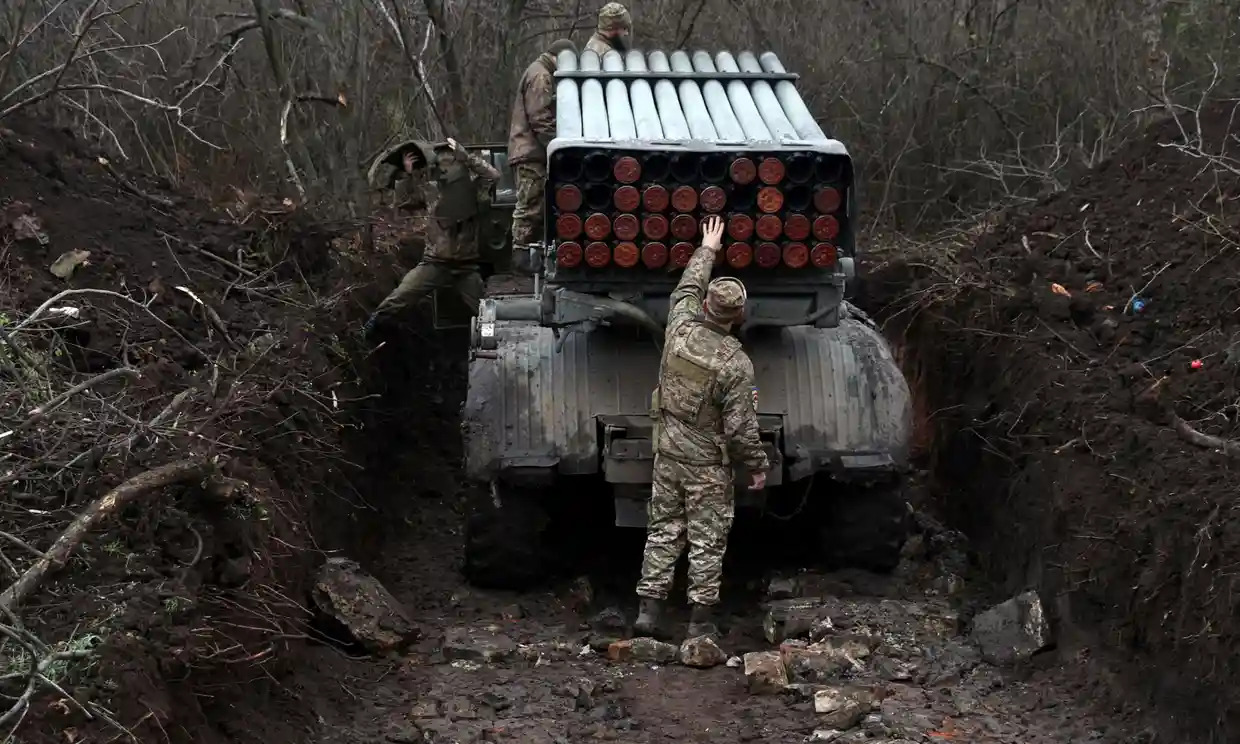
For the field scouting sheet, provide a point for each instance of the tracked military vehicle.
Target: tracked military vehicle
(647, 146)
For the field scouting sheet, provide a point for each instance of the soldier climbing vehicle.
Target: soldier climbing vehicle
(647, 146)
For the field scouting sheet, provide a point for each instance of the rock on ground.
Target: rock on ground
(643, 649)
(701, 652)
(842, 708)
(477, 644)
(1013, 630)
(825, 660)
(765, 673)
(363, 606)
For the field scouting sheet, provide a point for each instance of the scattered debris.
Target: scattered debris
(825, 660)
(783, 588)
(790, 618)
(484, 645)
(68, 262)
(843, 708)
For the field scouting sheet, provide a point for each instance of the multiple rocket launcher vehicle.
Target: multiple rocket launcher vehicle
(648, 145)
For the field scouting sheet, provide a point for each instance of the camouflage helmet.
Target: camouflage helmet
(614, 17)
(725, 298)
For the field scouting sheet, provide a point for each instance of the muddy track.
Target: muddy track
(534, 667)
(540, 666)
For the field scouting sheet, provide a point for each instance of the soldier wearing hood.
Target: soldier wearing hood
(615, 30)
(532, 128)
(456, 186)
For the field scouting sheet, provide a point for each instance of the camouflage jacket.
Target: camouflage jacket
(533, 114)
(446, 241)
(728, 421)
(599, 44)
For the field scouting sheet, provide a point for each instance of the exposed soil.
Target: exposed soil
(199, 601)
(192, 589)
(1050, 394)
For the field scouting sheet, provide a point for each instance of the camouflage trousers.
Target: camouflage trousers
(693, 504)
(527, 216)
(429, 276)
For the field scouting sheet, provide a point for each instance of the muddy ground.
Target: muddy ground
(192, 609)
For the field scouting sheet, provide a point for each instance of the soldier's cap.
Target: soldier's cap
(725, 298)
(614, 17)
(561, 45)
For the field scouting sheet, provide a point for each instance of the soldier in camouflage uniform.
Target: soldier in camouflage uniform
(615, 30)
(704, 421)
(532, 128)
(457, 188)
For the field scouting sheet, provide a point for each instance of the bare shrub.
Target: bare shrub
(947, 104)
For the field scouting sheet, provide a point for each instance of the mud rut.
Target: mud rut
(533, 667)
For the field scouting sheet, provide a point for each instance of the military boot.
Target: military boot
(702, 622)
(649, 616)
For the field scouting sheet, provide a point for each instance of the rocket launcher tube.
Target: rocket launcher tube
(729, 127)
(593, 105)
(619, 111)
(675, 126)
(645, 112)
(691, 96)
(769, 105)
(567, 99)
(790, 98)
(742, 102)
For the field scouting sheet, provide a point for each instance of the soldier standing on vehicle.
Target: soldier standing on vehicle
(615, 30)
(531, 130)
(458, 185)
(705, 420)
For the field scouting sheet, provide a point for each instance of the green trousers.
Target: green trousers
(429, 276)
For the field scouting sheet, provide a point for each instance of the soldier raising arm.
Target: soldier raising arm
(704, 419)
(485, 174)
(734, 390)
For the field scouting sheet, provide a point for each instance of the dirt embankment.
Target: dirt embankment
(226, 337)
(1079, 368)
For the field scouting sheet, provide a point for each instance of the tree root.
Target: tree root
(107, 505)
(1192, 436)
(1152, 404)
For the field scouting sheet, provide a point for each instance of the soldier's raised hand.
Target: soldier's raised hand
(757, 481)
(453, 144)
(712, 237)
(410, 161)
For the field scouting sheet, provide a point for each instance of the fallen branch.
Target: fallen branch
(37, 414)
(1192, 436)
(129, 186)
(208, 254)
(1153, 405)
(107, 505)
(109, 293)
